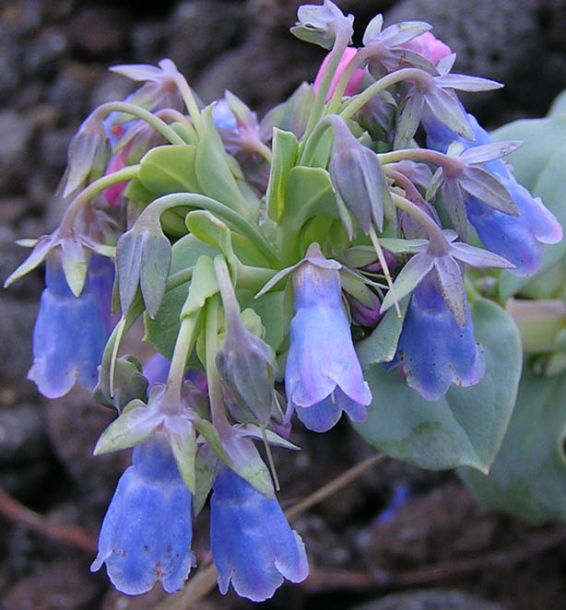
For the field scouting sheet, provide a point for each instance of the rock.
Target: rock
(17, 319)
(44, 52)
(99, 31)
(111, 88)
(23, 437)
(208, 37)
(148, 40)
(16, 133)
(10, 60)
(434, 599)
(63, 585)
(484, 39)
(71, 90)
(74, 423)
(445, 515)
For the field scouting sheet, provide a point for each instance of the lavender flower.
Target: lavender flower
(146, 534)
(71, 332)
(434, 350)
(323, 376)
(252, 544)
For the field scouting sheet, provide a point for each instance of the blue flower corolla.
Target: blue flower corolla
(70, 332)
(323, 376)
(147, 531)
(520, 239)
(253, 547)
(434, 351)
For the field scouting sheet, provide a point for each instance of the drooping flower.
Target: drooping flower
(146, 534)
(245, 361)
(88, 155)
(71, 331)
(323, 376)
(435, 351)
(252, 544)
(160, 90)
(518, 238)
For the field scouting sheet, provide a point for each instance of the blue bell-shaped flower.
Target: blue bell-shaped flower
(71, 332)
(252, 544)
(323, 376)
(434, 351)
(147, 531)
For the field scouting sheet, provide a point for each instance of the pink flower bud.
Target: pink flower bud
(113, 193)
(354, 82)
(430, 47)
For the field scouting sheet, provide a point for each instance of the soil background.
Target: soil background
(397, 538)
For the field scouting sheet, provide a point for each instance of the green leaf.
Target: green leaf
(162, 330)
(539, 166)
(285, 152)
(133, 426)
(213, 169)
(558, 106)
(170, 169)
(129, 384)
(74, 264)
(309, 192)
(155, 270)
(467, 425)
(206, 469)
(203, 286)
(184, 446)
(143, 255)
(381, 345)
(271, 309)
(206, 227)
(528, 477)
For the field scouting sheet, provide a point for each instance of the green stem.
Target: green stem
(183, 347)
(360, 100)
(179, 278)
(137, 111)
(452, 164)
(264, 150)
(356, 62)
(93, 189)
(190, 102)
(309, 144)
(340, 44)
(381, 258)
(195, 200)
(212, 375)
(433, 230)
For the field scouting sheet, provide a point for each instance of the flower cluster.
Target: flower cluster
(260, 254)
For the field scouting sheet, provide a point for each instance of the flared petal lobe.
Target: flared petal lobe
(323, 376)
(146, 534)
(433, 350)
(252, 544)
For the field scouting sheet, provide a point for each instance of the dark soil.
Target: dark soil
(439, 549)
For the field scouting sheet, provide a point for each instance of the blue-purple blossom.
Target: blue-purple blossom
(520, 239)
(146, 534)
(323, 376)
(252, 544)
(71, 332)
(434, 351)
